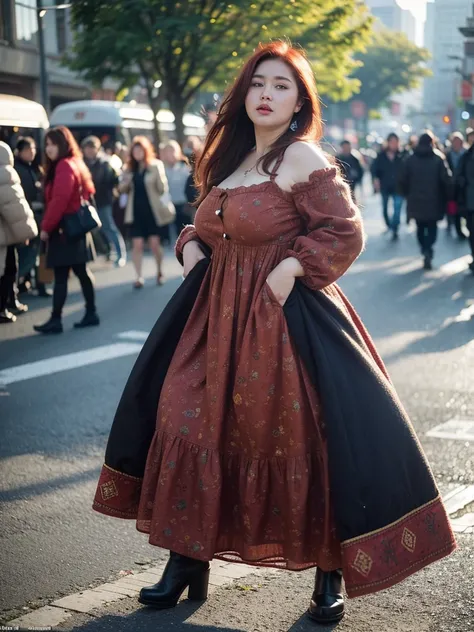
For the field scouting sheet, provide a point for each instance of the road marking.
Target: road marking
(459, 429)
(133, 335)
(463, 497)
(66, 362)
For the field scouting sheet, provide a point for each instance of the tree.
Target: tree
(192, 44)
(390, 65)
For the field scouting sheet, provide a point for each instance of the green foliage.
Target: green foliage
(391, 65)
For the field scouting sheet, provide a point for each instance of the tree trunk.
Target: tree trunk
(155, 104)
(177, 107)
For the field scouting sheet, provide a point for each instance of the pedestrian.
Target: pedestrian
(426, 182)
(350, 166)
(31, 181)
(464, 190)
(177, 173)
(67, 183)
(386, 172)
(149, 210)
(105, 180)
(453, 157)
(17, 226)
(226, 444)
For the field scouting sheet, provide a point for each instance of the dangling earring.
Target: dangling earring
(294, 125)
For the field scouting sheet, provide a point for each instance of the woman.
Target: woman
(17, 226)
(426, 182)
(231, 461)
(67, 183)
(177, 173)
(147, 211)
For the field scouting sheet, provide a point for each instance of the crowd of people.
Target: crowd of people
(138, 198)
(146, 201)
(434, 180)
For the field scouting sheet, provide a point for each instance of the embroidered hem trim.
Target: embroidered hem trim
(384, 557)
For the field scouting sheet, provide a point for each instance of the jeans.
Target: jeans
(61, 275)
(426, 233)
(111, 232)
(393, 223)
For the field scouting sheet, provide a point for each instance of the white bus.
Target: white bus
(21, 117)
(114, 121)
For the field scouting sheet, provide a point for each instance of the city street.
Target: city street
(58, 396)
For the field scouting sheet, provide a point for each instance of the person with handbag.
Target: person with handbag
(17, 226)
(149, 207)
(66, 225)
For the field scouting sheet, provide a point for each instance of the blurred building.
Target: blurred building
(442, 91)
(404, 106)
(19, 58)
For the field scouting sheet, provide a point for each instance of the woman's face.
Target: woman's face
(170, 155)
(138, 153)
(272, 98)
(51, 150)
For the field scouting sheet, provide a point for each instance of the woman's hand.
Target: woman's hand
(192, 253)
(281, 280)
(44, 236)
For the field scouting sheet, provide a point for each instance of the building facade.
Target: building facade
(19, 57)
(442, 91)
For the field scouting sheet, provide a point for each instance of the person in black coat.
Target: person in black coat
(426, 181)
(350, 165)
(30, 176)
(386, 172)
(465, 189)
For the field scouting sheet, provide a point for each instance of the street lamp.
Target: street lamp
(40, 13)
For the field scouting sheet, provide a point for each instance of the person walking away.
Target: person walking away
(31, 181)
(105, 180)
(17, 226)
(145, 182)
(224, 444)
(453, 157)
(350, 165)
(67, 183)
(177, 173)
(426, 182)
(464, 190)
(386, 172)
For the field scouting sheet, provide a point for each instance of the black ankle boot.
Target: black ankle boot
(327, 602)
(180, 573)
(52, 326)
(90, 319)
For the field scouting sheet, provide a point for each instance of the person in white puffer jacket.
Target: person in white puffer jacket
(17, 226)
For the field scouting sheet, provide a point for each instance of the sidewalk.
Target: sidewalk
(246, 599)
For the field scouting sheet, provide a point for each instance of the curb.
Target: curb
(222, 573)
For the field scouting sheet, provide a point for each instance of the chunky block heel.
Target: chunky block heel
(199, 587)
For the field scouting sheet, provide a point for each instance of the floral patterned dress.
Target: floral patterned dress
(237, 468)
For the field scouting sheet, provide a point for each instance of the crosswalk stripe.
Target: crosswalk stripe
(66, 362)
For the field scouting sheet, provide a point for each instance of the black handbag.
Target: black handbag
(77, 225)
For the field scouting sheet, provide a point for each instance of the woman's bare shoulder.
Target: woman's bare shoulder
(303, 158)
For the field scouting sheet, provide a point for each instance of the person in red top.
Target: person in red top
(67, 181)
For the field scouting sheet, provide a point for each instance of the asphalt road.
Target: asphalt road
(54, 429)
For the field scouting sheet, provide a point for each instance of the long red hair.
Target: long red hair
(232, 136)
(62, 137)
(145, 144)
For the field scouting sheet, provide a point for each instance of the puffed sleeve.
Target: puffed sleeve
(188, 233)
(334, 234)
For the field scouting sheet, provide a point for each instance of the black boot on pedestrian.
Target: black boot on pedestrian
(180, 573)
(7, 317)
(53, 326)
(90, 319)
(327, 602)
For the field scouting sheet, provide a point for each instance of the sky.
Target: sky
(417, 7)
